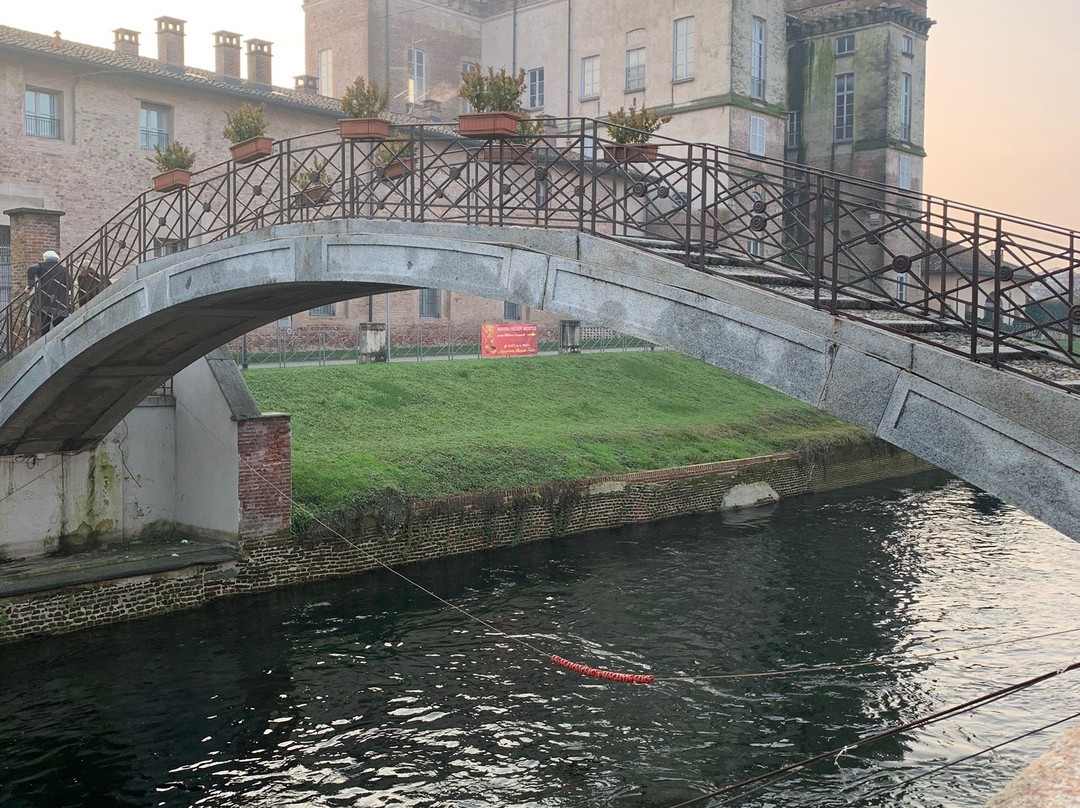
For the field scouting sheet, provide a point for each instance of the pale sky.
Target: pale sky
(1002, 122)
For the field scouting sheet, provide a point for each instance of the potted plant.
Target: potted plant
(496, 102)
(394, 158)
(245, 127)
(631, 130)
(173, 165)
(312, 184)
(363, 106)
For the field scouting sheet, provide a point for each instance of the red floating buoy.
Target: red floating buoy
(599, 673)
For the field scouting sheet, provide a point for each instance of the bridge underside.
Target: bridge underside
(1006, 434)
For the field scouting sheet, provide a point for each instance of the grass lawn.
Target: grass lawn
(433, 429)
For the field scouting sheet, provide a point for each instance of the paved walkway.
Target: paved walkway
(106, 564)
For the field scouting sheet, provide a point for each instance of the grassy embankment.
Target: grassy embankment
(438, 429)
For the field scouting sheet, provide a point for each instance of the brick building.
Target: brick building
(79, 122)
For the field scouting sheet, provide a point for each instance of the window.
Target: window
(5, 265)
(635, 69)
(757, 135)
(535, 86)
(322, 311)
(845, 45)
(511, 311)
(905, 108)
(904, 180)
(324, 69)
(794, 130)
(845, 107)
(155, 126)
(755, 248)
(683, 50)
(416, 87)
(468, 67)
(429, 303)
(43, 114)
(901, 287)
(757, 59)
(907, 46)
(590, 77)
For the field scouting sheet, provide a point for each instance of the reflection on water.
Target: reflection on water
(365, 692)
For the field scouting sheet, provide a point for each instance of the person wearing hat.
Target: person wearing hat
(50, 283)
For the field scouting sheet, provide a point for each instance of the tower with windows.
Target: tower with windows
(856, 76)
(856, 87)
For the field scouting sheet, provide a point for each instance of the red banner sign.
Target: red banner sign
(508, 339)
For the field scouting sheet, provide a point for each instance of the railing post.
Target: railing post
(688, 181)
(819, 239)
(835, 248)
(1071, 301)
(975, 252)
(421, 178)
(593, 178)
(141, 236)
(998, 252)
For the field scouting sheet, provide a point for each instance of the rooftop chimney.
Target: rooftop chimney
(126, 41)
(227, 54)
(170, 41)
(307, 84)
(258, 61)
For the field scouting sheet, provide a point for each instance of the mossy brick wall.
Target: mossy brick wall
(401, 533)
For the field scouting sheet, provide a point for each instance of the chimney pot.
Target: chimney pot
(170, 36)
(307, 84)
(126, 41)
(227, 54)
(259, 54)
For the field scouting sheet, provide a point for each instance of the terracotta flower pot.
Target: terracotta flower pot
(312, 195)
(503, 152)
(373, 129)
(252, 149)
(488, 124)
(172, 180)
(631, 152)
(397, 168)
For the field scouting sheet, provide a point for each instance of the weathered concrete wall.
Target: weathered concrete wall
(118, 491)
(170, 466)
(393, 531)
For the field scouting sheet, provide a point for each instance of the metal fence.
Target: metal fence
(288, 346)
(1004, 282)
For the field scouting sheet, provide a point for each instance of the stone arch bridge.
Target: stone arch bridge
(667, 252)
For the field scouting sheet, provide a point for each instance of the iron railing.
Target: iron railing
(1005, 283)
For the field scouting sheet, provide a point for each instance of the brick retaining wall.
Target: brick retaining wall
(397, 532)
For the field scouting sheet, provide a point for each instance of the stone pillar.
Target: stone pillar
(33, 230)
(265, 485)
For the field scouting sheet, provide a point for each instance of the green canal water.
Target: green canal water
(367, 692)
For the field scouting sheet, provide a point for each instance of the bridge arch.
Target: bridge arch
(1007, 434)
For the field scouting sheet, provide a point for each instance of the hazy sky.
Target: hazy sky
(1001, 116)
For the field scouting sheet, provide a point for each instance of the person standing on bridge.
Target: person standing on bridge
(49, 283)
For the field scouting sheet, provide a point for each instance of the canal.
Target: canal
(367, 692)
